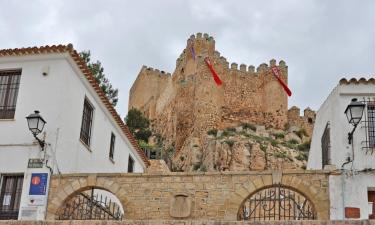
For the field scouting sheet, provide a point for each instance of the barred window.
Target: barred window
(368, 122)
(112, 146)
(371, 125)
(10, 196)
(326, 146)
(88, 111)
(130, 165)
(9, 85)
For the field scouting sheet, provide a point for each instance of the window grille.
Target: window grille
(88, 111)
(9, 85)
(10, 196)
(112, 146)
(368, 122)
(326, 146)
(130, 165)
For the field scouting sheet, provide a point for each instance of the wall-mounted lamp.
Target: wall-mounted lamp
(354, 112)
(36, 124)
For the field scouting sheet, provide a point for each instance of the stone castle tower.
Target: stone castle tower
(188, 103)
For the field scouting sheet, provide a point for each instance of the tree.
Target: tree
(138, 124)
(97, 70)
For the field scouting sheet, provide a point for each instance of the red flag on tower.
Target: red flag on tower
(214, 74)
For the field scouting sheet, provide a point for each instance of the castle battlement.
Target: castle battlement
(152, 71)
(190, 102)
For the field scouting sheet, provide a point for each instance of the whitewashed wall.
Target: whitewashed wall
(345, 190)
(59, 97)
(350, 191)
(332, 111)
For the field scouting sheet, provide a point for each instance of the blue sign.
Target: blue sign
(38, 184)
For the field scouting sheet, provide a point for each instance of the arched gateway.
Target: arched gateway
(277, 202)
(91, 204)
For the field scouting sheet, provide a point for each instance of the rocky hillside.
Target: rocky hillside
(246, 147)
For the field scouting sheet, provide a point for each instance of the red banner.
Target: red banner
(276, 73)
(214, 74)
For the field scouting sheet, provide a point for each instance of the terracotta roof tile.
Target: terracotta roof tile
(353, 80)
(87, 73)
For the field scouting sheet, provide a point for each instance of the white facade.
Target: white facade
(350, 186)
(59, 96)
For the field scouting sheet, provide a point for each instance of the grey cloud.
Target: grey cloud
(321, 41)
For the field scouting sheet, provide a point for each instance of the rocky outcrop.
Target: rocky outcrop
(243, 149)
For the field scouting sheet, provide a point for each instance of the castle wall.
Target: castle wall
(305, 122)
(147, 88)
(189, 103)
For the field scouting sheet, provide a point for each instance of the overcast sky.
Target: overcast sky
(321, 41)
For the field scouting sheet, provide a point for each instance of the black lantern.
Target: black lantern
(36, 124)
(354, 112)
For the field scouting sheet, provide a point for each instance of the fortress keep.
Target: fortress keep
(185, 105)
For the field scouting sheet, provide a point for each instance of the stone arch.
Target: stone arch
(304, 186)
(275, 190)
(73, 187)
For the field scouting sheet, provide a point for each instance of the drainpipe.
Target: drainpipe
(343, 193)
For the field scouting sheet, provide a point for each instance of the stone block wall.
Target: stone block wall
(306, 121)
(208, 196)
(189, 103)
(189, 222)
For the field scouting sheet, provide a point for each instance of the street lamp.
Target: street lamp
(36, 124)
(354, 112)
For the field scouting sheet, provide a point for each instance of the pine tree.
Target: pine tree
(138, 124)
(97, 70)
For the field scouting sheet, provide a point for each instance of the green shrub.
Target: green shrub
(230, 143)
(301, 132)
(212, 132)
(302, 157)
(195, 145)
(227, 133)
(286, 126)
(293, 141)
(263, 148)
(274, 143)
(279, 135)
(246, 126)
(280, 155)
(182, 158)
(230, 129)
(305, 147)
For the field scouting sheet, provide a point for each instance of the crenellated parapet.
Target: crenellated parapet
(147, 88)
(305, 121)
(189, 102)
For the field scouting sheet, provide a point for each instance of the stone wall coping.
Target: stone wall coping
(187, 222)
(233, 173)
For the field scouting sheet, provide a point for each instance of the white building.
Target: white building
(83, 134)
(352, 188)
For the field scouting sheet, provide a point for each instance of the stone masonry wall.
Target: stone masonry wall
(206, 196)
(188, 222)
(306, 121)
(189, 103)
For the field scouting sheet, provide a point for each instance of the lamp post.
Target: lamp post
(354, 112)
(36, 124)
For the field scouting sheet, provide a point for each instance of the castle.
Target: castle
(188, 103)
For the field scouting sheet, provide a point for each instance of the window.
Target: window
(371, 125)
(88, 111)
(9, 85)
(10, 196)
(112, 146)
(130, 165)
(326, 147)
